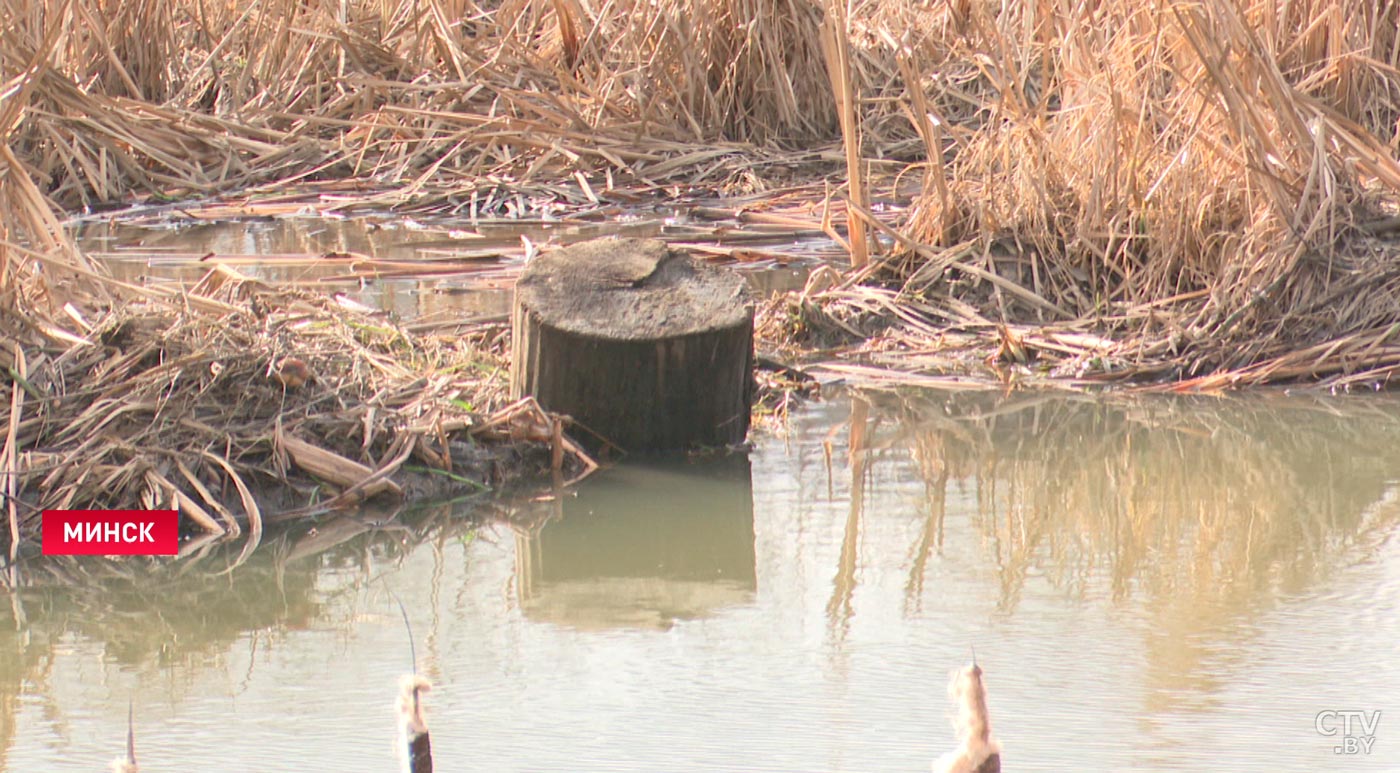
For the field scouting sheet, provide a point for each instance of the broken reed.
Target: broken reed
(219, 399)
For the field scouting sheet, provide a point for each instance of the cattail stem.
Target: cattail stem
(128, 765)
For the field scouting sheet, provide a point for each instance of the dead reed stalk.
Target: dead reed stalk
(836, 45)
(1193, 180)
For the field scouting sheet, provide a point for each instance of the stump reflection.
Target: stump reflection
(643, 546)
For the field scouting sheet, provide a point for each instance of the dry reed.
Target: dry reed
(1201, 185)
(1201, 182)
(1192, 192)
(208, 398)
(189, 97)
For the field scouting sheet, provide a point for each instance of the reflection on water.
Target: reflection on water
(1194, 515)
(1166, 584)
(641, 546)
(162, 633)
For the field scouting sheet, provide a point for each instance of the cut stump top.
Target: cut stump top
(631, 290)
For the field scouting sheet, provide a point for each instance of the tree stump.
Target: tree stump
(637, 343)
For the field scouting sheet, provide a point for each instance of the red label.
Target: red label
(111, 532)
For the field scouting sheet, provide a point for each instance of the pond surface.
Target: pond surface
(1156, 585)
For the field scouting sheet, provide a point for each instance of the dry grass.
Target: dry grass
(192, 97)
(1192, 191)
(231, 396)
(119, 395)
(1201, 180)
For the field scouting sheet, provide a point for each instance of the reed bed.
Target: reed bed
(449, 98)
(1189, 191)
(1199, 194)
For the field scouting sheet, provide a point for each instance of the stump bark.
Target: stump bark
(638, 343)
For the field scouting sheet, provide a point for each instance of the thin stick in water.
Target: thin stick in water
(128, 765)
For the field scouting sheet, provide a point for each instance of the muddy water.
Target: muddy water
(1165, 585)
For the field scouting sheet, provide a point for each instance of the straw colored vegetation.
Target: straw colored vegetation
(1197, 190)
(212, 399)
(1193, 191)
(450, 97)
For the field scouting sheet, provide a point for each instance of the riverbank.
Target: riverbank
(1190, 198)
(1202, 194)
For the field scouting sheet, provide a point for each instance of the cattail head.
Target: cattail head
(415, 750)
(411, 690)
(977, 751)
